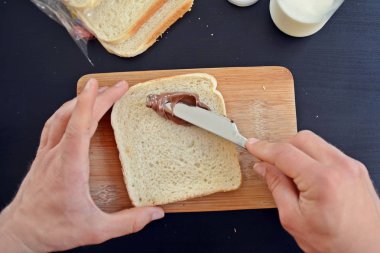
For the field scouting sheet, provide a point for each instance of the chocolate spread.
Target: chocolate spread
(157, 102)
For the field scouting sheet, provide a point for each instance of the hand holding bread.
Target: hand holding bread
(53, 209)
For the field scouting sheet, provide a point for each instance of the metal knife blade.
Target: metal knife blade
(210, 121)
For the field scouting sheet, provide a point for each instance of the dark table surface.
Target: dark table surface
(337, 84)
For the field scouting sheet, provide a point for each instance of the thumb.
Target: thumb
(131, 220)
(283, 189)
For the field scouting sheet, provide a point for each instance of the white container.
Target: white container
(243, 3)
(301, 18)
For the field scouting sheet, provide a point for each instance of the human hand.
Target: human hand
(53, 209)
(325, 199)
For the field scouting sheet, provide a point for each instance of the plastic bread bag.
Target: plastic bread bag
(57, 11)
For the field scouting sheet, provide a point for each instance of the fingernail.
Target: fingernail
(158, 215)
(121, 84)
(102, 89)
(89, 84)
(252, 140)
(260, 169)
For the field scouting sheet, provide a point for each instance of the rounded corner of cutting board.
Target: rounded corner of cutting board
(286, 72)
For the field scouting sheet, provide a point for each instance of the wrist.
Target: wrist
(367, 241)
(10, 238)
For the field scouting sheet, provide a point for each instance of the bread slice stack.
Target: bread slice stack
(128, 27)
(163, 162)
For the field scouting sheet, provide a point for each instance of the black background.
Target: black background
(337, 83)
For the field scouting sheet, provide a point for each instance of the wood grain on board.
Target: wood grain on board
(259, 99)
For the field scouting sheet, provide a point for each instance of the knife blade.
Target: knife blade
(210, 121)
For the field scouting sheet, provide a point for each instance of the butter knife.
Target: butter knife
(210, 121)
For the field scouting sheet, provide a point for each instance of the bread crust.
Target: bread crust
(131, 30)
(171, 19)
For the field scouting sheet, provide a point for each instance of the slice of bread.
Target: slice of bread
(114, 21)
(147, 35)
(164, 162)
(81, 4)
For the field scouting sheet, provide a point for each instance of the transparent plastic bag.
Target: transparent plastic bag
(57, 11)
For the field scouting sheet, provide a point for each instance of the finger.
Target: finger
(287, 158)
(79, 128)
(130, 221)
(317, 148)
(59, 122)
(106, 99)
(283, 189)
(45, 131)
(44, 134)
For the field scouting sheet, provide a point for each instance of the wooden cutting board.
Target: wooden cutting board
(259, 99)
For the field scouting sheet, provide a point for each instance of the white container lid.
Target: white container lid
(243, 3)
